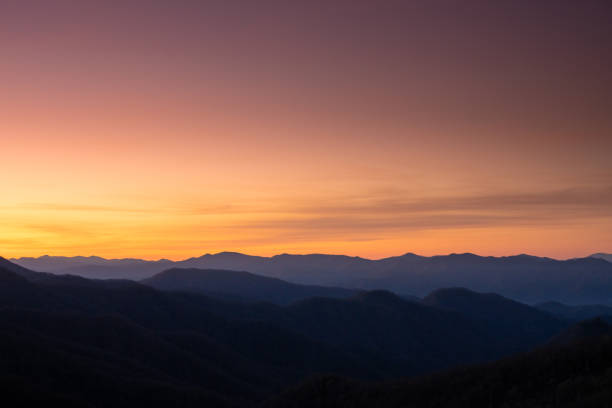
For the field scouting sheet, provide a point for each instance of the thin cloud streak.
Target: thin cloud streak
(387, 215)
(595, 199)
(387, 210)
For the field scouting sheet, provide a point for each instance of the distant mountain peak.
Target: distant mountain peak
(412, 255)
(222, 254)
(528, 257)
(230, 253)
(464, 255)
(602, 255)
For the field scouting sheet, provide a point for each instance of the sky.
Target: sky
(169, 129)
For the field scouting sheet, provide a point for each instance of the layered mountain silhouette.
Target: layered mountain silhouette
(95, 267)
(525, 278)
(124, 344)
(12, 269)
(576, 312)
(514, 324)
(240, 285)
(363, 320)
(422, 335)
(70, 340)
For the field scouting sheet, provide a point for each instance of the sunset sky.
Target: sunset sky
(175, 128)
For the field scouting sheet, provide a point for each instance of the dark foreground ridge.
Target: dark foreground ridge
(575, 374)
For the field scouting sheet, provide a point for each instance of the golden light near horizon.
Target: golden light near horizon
(361, 129)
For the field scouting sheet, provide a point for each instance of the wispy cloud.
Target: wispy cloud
(397, 212)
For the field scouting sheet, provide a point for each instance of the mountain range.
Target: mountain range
(525, 278)
(232, 339)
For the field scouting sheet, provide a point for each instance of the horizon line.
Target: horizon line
(302, 254)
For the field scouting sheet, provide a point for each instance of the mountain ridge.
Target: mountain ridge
(602, 255)
(522, 277)
(241, 284)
